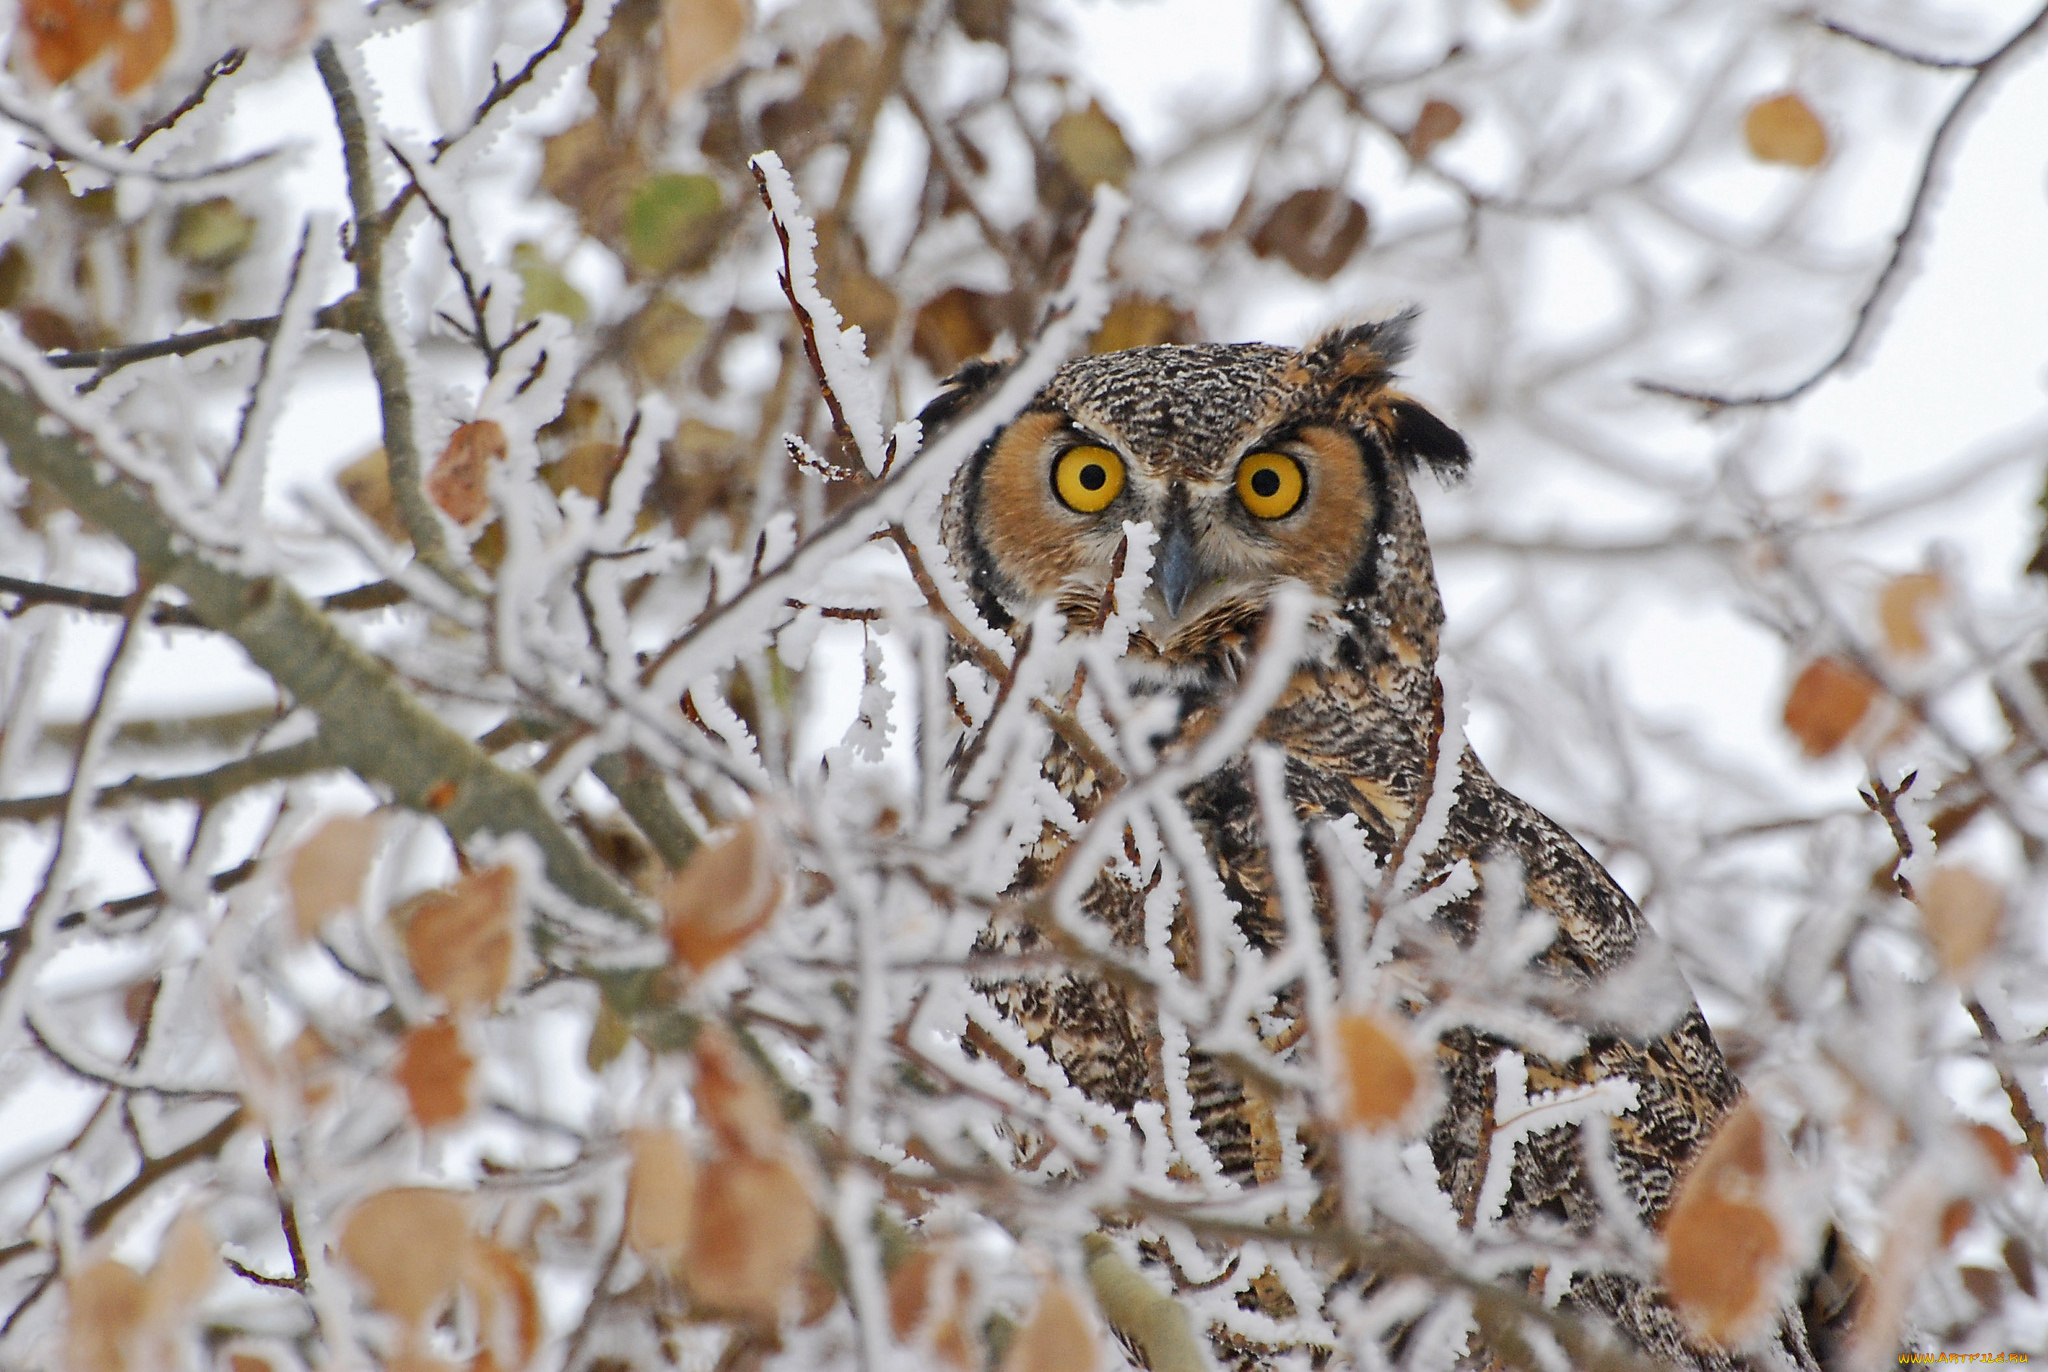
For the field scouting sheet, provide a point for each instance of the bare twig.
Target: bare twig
(365, 318)
(227, 64)
(1891, 278)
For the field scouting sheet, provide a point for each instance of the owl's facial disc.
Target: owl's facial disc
(1286, 503)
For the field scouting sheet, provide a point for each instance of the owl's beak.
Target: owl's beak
(1178, 567)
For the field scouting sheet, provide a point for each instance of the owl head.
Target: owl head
(1255, 465)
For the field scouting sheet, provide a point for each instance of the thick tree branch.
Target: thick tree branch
(368, 721)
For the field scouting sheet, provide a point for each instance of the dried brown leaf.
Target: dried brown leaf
(145, 40)
(723, 897)
(1724, 1247)
(1826, 703)
(1960, 911)
(1902, 609)
(367, 484)
(1138, 321)
(953, 326)
(185, 1270)
(1314, 231)
(1384, 1082)
(699, 39)
(932, 1297)
(1091, 148)
(661, 1195)
(733, 1099)
(326, 871)
(434, 1070)
(1784, 129)
(66, 35)
(106, 1302)
(1436, 122)
(1057, 1337)
(756, 1226)
(462, 941)
(507, 1305)
(410, 1246)
(458, 482)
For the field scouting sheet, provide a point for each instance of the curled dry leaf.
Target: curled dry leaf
(1902, 609)
(699, 39)
(434, 1070)
(723, 897)
(1725, 1249)
(1139, 321)
(1826, 703)
(661, 1195)
(1057, 1337)
(930, 1299)
(1784, 129)
(458, 482)
(507, 1305)
(755, 1228)
(1385, 1082)
(326, 871)
(463, 941)
(1437, 122)
(1960, 911)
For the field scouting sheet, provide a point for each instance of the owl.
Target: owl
(1260, 467)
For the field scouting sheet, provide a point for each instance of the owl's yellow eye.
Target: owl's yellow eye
(1269, 484)
(1087, 479)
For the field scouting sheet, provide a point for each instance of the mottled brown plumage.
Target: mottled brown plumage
(1359, 725)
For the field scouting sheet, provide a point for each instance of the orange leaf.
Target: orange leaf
(1960, 912)
(409, 1245)
(1827, 702)
(1999, 1151)
(65, 35)
(756, 1226)
(1784, 129)
(457, 483)
(1057, 1338)
(922, 1299)
(1902, 610)
(326, 871)
(1724, 1248)
(1383, 1083)
(140, 50)
(434, 1070)
(461, 941)
(508, 1308)
(661, 1195)
(722, 897)
(1439, 120)
(733, 1100)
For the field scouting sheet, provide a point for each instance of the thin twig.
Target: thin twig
(365, 318)
(227, 64)
(502, 90)
(377, 595)
(2015, 1093)
(1890, 279)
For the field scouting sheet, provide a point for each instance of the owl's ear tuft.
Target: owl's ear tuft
(1364, 354)
(1418, 437)
(965, 386)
